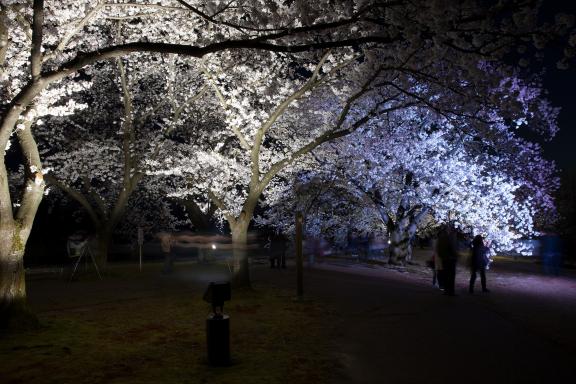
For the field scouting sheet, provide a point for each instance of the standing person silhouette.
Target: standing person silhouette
(550, 253)
(478, 263)
(447, 252)
(166, 242)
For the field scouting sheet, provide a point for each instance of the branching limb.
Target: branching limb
(73, 31)
(110, 52)
(222, 206)
(314, 81)
(95, 197)
(127, 124)
(278, 111)
(211, 19)
(326, 137)
(34, 179)
(235, 129)
(76, 195)
(176, 118)
(187, 102)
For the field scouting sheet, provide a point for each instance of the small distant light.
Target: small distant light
(389, 242)
(213, 246)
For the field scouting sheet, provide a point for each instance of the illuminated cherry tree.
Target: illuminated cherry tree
(263, 106)
(415, 171)
(97, 157)
(44, 47)
(275, 118)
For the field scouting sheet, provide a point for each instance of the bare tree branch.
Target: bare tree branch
(95, 197)
(280, 109)
(75, 194)
(235, 129)
(37, 24)
(85, 59)
(73, 31)
(222, 206)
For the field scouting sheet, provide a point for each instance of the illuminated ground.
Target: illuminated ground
(396, 328)
(148, 328)
(360, 323)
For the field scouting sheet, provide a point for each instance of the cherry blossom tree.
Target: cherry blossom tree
(332, 208)
(97, 157)
(43, 47)
(235, 178)
(390, 91)
(417, 170)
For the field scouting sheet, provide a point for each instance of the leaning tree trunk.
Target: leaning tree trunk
(240, 255)
(15, 227)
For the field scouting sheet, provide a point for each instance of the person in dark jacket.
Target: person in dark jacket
(277, 251)
(478, 263)
(550, 251)
(447, 252)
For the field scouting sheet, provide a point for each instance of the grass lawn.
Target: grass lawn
(161, 339)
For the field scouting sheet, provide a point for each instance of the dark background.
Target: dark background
(561, 85)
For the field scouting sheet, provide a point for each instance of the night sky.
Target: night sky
(561, 85)
(562, 88)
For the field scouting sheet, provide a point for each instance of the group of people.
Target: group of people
(445, 258)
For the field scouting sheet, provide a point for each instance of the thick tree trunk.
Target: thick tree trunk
(14, 233)
(402, 236)
(13, 310)
(240, 255)
(101, 246)
(401, 247)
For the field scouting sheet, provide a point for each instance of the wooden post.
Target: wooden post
(299, 257)
(140, 242)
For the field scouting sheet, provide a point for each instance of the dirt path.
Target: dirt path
(397, 329)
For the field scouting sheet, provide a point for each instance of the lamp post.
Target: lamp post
(218, 324)
(299, 258)
(140, 243)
